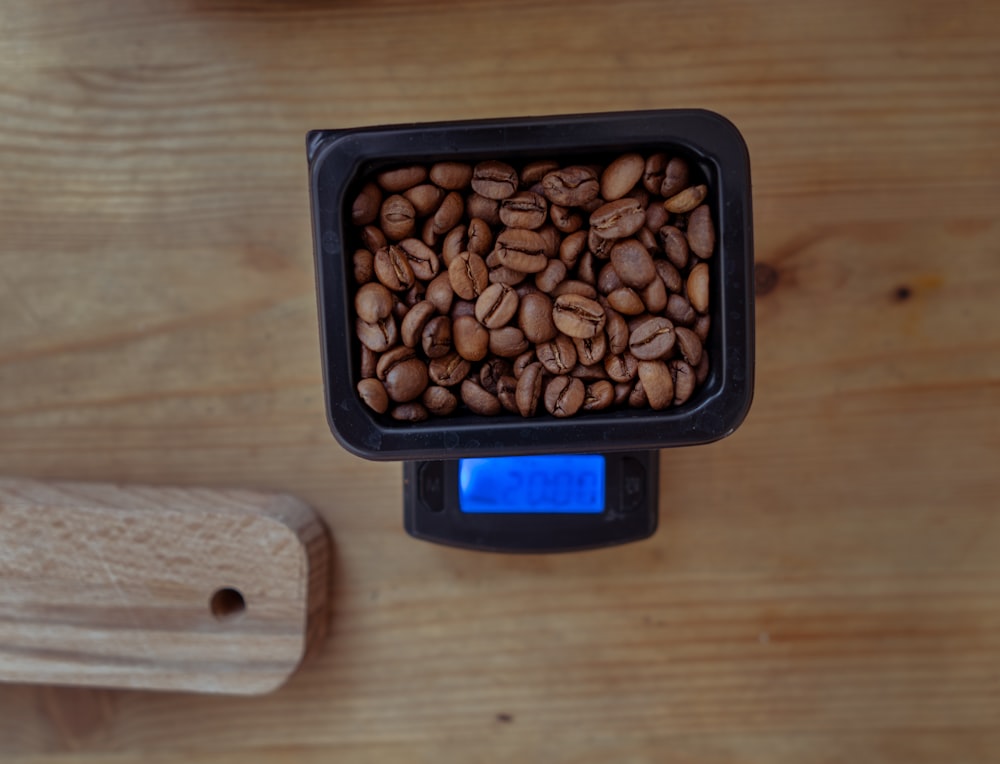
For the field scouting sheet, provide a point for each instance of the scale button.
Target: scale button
(432, 485)
(633, 484)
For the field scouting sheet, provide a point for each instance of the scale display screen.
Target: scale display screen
(566, 484)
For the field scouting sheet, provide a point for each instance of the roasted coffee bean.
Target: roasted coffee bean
(653, 338)
(494, 180)
(402, 178)
(616, 330)
(535, 318)
(622, 392)
(657, 384)
(414, 294)
(697, 287)
(496, 306)
(701, 232)
(507, 342)
(523, 361)
(618, 219)
(462, 308)
(670, 276)
(451, 176)
(369, 360)
(480, 237)
(491, 371)
(571, 286)
(373, 302)
(449, 213)
(598, 245)
(411, 330)
(701, 373)
(564, 396)
(533, 172)
(686, 200)
(372, 238)
(365, 209)
(608, 280)
(379, 335)
(675, 177)
(684, 380)
(455, 242)
(425, 198)
(648, 239)
(399, 308)
(637, 398)
(553, 275)
(364, 266)
(679, 310)
(557, 356)
(469, 275)
(521, 250)
(653, 173)
(552, 238)
(440, 293)
(621, 175)
(627, 301)
(403, 374)
(529, 389)
(675, 246)
(477, 206)
(588, 268)
(448, 370)
(598, 395)
(588, 373)
(621, 367)
(373, 395)
(471, 338)
(423, 260)
(656, 217)
(565, 218)
(654, 296)
(689, 345)
(479, 400)
(591, 350)
(436, 337)
(392, 268)
(502, 275)
(702, 326)
(633, 263)
(572, 247)
(397, 218)
(439, 401)
(524, 209)
(410, 412)
(428, 235)
(578, 316)
(507, 394)
(571, 186)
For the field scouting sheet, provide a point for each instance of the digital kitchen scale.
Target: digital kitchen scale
(543, 503)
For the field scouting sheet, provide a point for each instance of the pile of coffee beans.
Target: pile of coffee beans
(547, 286)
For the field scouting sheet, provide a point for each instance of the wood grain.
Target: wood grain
(157, 588)
(823, 586)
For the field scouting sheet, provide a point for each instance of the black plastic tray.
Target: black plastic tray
(339, 160)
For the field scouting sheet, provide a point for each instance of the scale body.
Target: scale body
(550, 503)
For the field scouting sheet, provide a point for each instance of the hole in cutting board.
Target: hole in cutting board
(227, 603)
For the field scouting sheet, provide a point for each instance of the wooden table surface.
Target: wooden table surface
(824, 585)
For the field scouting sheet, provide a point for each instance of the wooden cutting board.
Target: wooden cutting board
(157, 588)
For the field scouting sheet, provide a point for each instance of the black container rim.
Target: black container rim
(337, 158)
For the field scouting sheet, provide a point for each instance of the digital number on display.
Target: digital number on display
(525, 484)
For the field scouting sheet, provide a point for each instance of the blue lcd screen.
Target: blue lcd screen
(525, 484)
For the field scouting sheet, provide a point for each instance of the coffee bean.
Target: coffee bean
(616, 330)
(598, 245)
(675, 246)
(533, 172)
(491, 371)
(507, 342)
(557, 356)
(626, 300)
(410, 412)
(618, 219)
(440, 293)
(373, 302)
(637, 398)
(462, 308)
(621, 175)
(684, 380)
(469, 275)
(586, 269)
(494, 180)
(588, 373)
(451, 176)
(401, 178)
(399, 308)
(689, 344)
(364, 266)
(397, 217)
(701, 232)
(580, 288)
(535, 318)
(578, 316)
(564, 396)
(496, 306)
(565, 218)
(423, 260)
(702, 326)
(653, 338)
(428, 235)
(621, 367)
(366, 207)
(455, 242)
(656, 217)
(686, 200)
(675, 177)
(598, 395)
(571, 186)
(477, 206)
(471, 339)
(521, 250)
(373, 395)
(522, 362)
(572, 247)
(679, 310)
(552, 238)
(622, 392)
(591, 350)
(439, 401)
(502, 275)
(670, 276)
(701, 373)
(657, 384)
(403, 374)
(524, 209)
(507, 394)
(411, 329)
(369, 360)
(697, 287)
(449, 213)
(553, 275)
(379, 335)
(480, 237)
(653, 172)
(372, 238)
(608, 280)
(425, 198)
(448, 370)
(529, 390)
(633, 263)
(436, 337)
(654, 296)
(414, 294)
(392, 268)
(479, 400)
(648, 239)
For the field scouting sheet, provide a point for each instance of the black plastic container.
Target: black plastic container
(340, 160)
